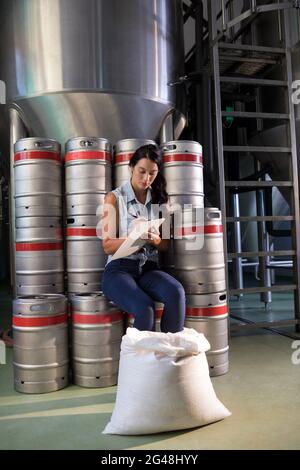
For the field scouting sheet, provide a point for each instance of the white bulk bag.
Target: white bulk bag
(163, 384)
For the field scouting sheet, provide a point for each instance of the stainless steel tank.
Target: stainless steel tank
(92, 68)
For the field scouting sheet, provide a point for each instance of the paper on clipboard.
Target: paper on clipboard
(133, 242)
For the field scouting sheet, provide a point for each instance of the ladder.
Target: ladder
(227, 56)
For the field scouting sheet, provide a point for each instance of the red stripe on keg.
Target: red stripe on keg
(37, 155)
(213, 229)
(207, 229)
(123, 157)
(82, 232)
(39, 246)
(159, 312)
(88, 155)
(95, 319)
(183, 157)
(206, 311)
(39, 321)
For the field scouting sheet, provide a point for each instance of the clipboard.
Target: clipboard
(133, 242)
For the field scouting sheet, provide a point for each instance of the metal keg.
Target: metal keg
(183, 170)
(123, 151)
(159, 308)
(88, 165)
(208, 314)
(199, 270)
(39, 260)
(86, 258)
(37, 167)
(84, 204)
(40, 343)
(97, 330)
(48, 205)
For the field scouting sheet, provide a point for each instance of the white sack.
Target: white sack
(163, 384)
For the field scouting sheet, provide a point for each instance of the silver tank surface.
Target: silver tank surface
(100, 67)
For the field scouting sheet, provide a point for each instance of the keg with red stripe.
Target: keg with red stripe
(86, 258)
(198, 256)
(123, 151)
(183, 170)
(208, 314)
(159, 308)
(40, 343)
(37, 170)
(88, 165)
(97, 330)
(39, 260)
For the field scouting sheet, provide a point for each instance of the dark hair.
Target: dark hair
(159, 185)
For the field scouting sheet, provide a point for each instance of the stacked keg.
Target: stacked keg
(123, 151)
(38, 203)
(88, 178)
(199, 265)
(40, 333)
(183, 170)
(97, 329)
(196, 255)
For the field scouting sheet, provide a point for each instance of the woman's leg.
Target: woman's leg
(120, 287)
(166, 289)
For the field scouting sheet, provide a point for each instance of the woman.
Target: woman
(135, 282)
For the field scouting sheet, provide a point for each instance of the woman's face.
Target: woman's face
(144, 173)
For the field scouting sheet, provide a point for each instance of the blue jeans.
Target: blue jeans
(135, 291)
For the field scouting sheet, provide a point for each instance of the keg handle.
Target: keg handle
(213, 215)
(87, 143)
(41, 308)
(43, 144)
(169, 147)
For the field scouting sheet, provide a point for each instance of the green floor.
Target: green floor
(262, 390)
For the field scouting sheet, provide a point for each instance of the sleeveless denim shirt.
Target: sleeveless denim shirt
(129, 209)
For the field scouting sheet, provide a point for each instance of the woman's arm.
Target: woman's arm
(110, 225)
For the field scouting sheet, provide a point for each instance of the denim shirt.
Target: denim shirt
(129, 209)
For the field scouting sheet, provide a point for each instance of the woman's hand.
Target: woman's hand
(152, 237)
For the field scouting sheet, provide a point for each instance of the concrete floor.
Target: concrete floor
(262, 390)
